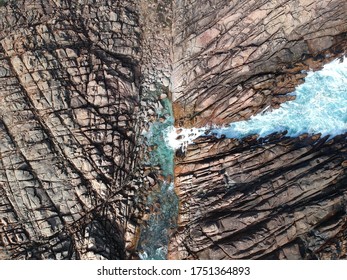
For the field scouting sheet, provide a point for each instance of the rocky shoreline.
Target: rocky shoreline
(276, 198)
(235, 60)
(83, 81)
(269, 198)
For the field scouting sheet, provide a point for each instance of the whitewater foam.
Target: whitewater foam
(320, 107)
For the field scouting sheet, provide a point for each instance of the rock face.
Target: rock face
(245, 199)
(281, 198)
(69, 106)
(80, 81)
(235, 58)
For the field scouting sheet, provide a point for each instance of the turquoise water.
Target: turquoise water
(162, 155)
(155, 237)
(162, 201)
(320, 107)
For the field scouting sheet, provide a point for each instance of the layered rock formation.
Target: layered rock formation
(69, 106)
(276, 198)
(81, 80)
(270, 198)
(235, 58)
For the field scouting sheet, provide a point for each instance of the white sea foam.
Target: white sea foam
(320, 107)
(177, 138)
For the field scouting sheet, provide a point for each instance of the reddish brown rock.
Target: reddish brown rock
(281, 198)
(69, 101)
(80, 83)
(274, 198)
(81, 80)
(234, 58)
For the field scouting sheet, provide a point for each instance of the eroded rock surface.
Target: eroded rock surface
(274, 198)
(235, 58)
(283, 198)
(81, 80)
(69, 104)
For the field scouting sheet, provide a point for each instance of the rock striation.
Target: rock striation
(233, 59)
(270, 198)
(69, 106)
(81, 81)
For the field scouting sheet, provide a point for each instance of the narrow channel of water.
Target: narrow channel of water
(162, 202)
(320, 107)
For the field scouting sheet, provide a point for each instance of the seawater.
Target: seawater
(162, 201)
(320, 107)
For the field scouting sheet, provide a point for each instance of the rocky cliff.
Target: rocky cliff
(80, 82)
(235, 58)
(275, 198)
(69, 106)
(272, 198)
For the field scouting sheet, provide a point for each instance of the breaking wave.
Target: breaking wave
(320, 107)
